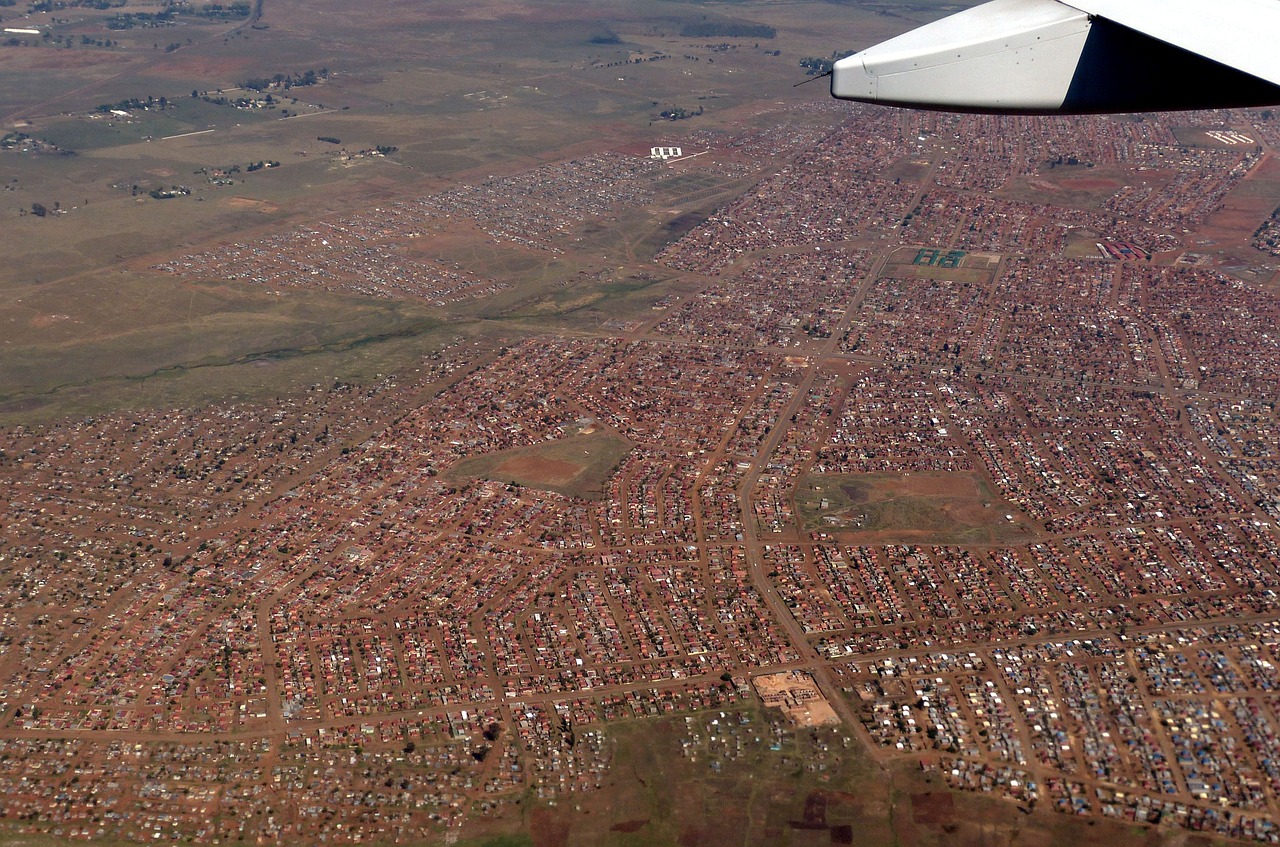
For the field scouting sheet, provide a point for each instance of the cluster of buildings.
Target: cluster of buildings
(355, 254)
(320, 618)
(1145, 726)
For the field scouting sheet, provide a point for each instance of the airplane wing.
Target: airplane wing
(1085, 56)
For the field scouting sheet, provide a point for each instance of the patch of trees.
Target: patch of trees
(134, 104)
(257, 166)
(727, 29)
(636, 61)
(679, 113)
(40, 210)
(129, 20)
(1068, 161)
(328, 139)
(165, 17)
(238, 102)
(1275, 216)
(819, 65)
(386, 149)
(285, 81)
(20, 140)
(604, 36)
(1266, 233)
(220, 12)
(169, 193)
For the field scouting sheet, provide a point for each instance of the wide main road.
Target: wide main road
(813, 662)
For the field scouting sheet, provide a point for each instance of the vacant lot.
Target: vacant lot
(808, 789)
(928, 508)
(576, 466)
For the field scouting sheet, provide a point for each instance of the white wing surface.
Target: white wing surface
(1241, 34)
(1045, 56)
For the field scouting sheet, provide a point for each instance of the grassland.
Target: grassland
(657, 796)
(1079, 186)
(462, 90)
(920, 508)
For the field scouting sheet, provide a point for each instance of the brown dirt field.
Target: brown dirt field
(69, 59)
(247, 203)
(935, 808)
(42, 321)
(546, 471)
(629, 826)
(1233, 226)
(939, 485)
(815, 809)
(443, 243)
(380, 183)
(575, 466)
(548, 828)
(927, 485)
(1243, 209)
(638, 149)
(1084, 183)
(206, 66)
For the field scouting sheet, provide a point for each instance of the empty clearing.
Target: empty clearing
(938, 508)
(576, 466)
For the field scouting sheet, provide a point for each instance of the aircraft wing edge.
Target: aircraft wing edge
(1239, 34)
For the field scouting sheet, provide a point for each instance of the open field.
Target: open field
(575, 466)
(921, 508)
(461, 92)
(1078, 186)
(657, 796)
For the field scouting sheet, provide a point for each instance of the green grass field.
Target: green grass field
(935, 508)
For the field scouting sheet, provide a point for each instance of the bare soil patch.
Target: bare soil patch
(797, 695)
(247, 203)
(1084, 183)
(547, 471)
(935, 807)
(576, 466)
(70, 59)
(211, 67)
